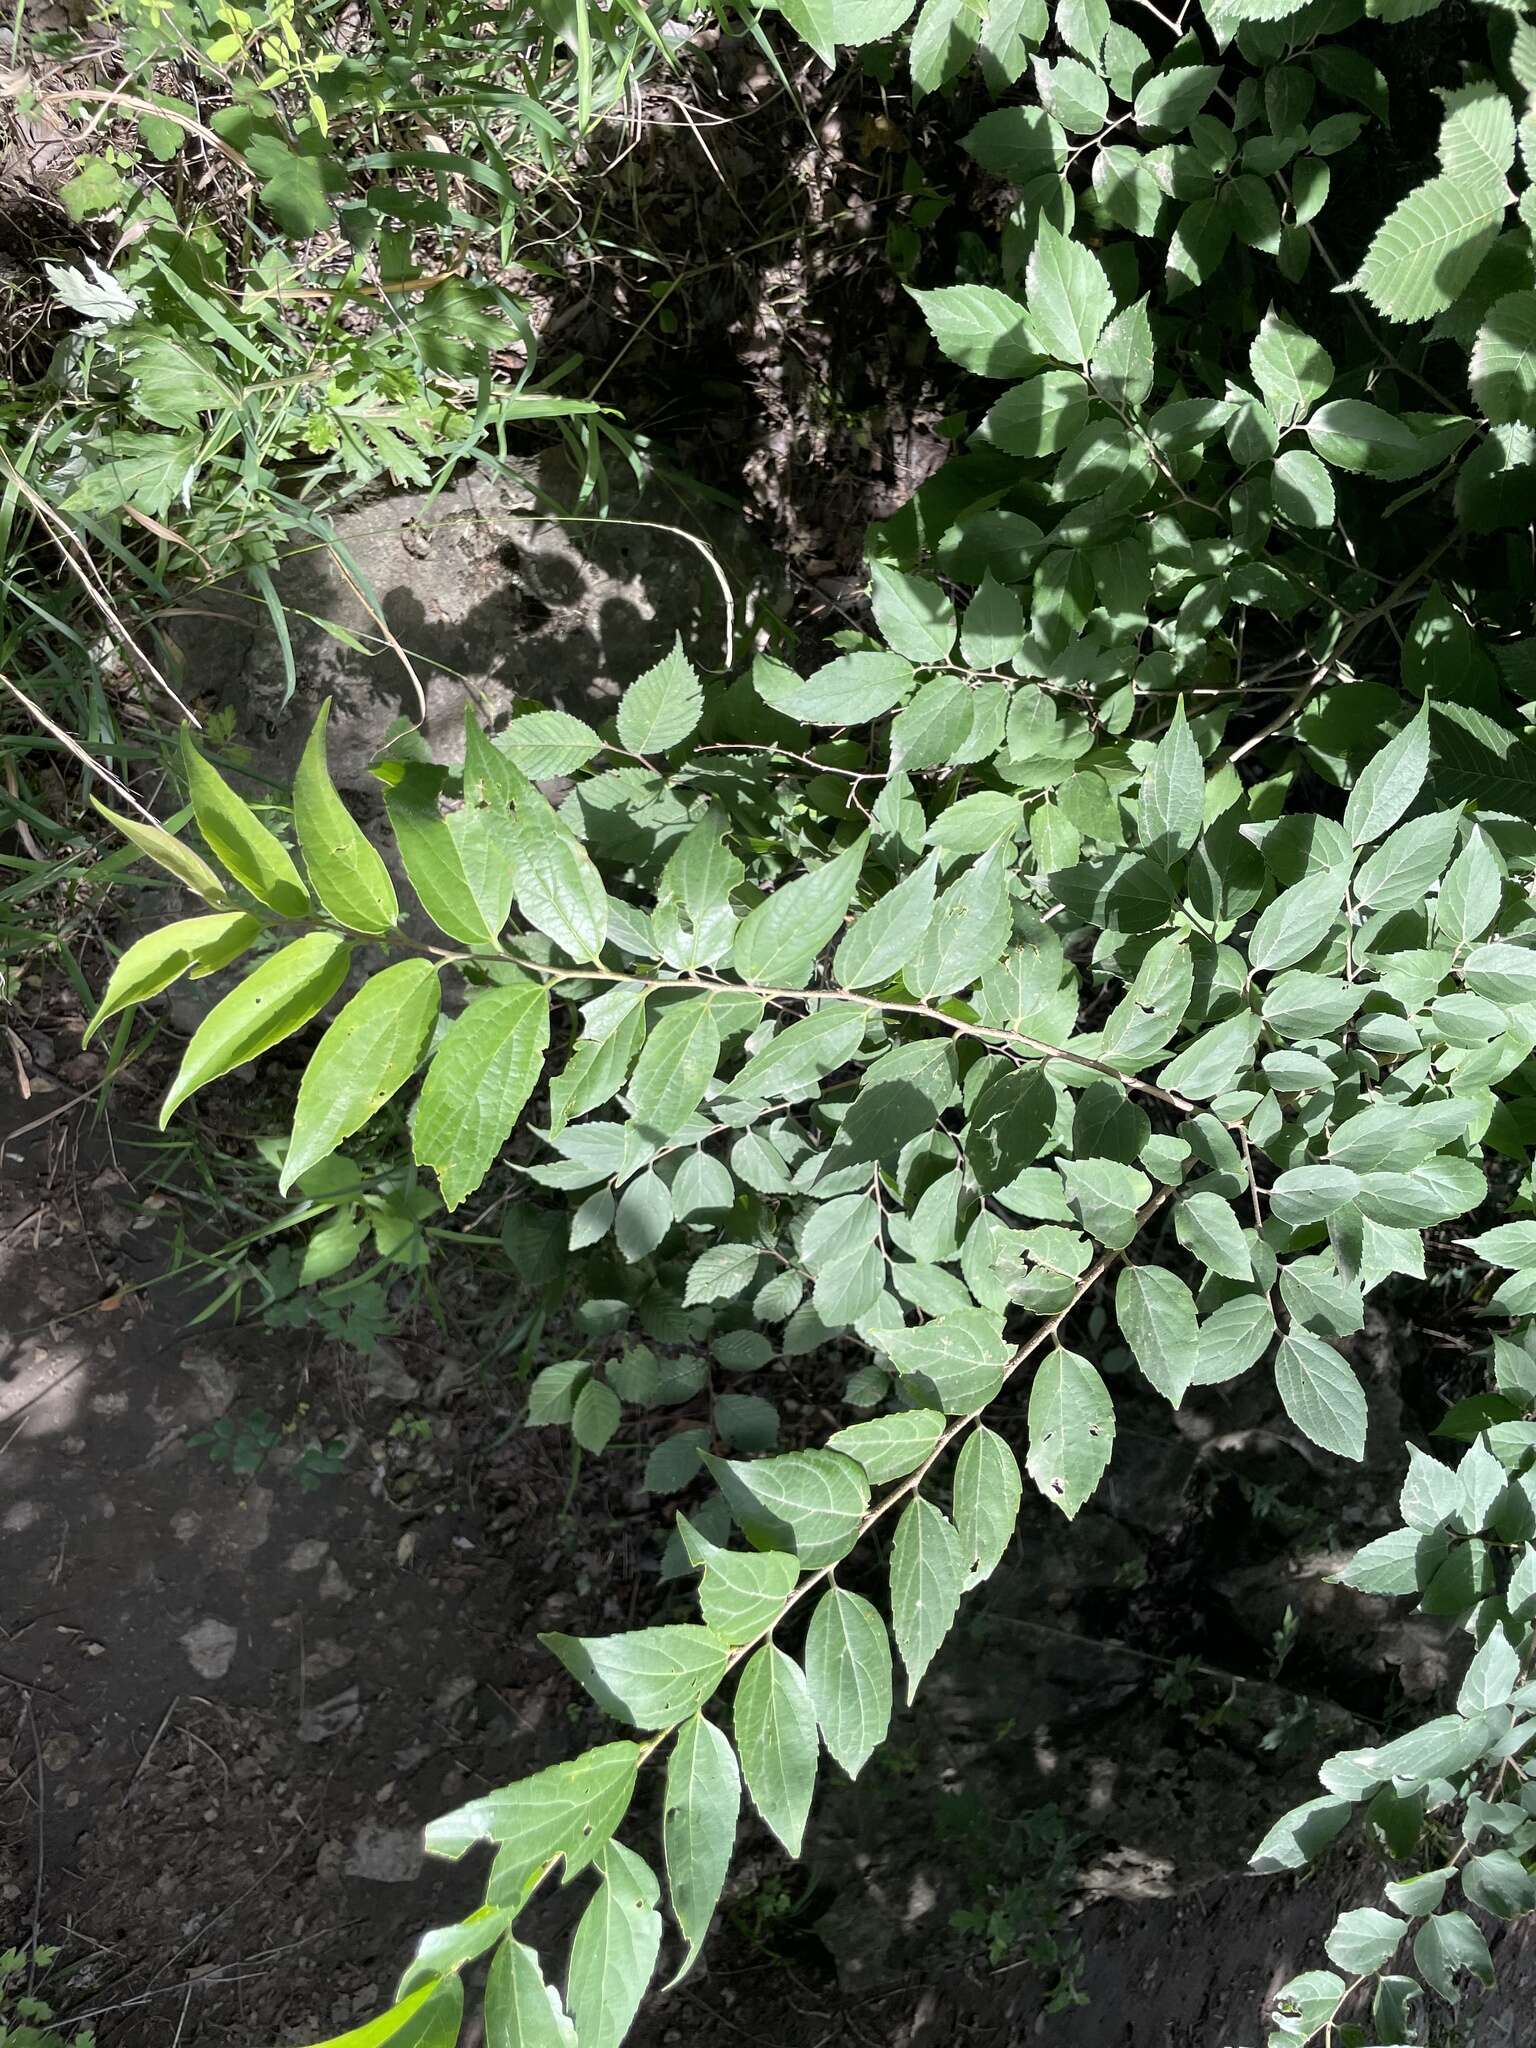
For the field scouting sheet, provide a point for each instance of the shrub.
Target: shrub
(1133, 922)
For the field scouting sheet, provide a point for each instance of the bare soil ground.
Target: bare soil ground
(229, 1704)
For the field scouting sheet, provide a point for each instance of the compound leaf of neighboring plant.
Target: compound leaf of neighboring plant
(276, 999)
(371, 1050)
(235, 835)
(345, 872)
(481, 1075)
(661, 708)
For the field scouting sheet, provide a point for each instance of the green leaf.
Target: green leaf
(152, 963)
(1303, 489)
(1171, 100)
(369, 1052)
(1072, 94)
(928, 1569)
(569, 1810)
(775, 1727)
(276, 999)
(236, 836)
(1503, 367)
(345, 872)
(1017, 143)
(777, 943)
(848, 1674)
(981, 329)
(595, 1417)
(1205, 1225)
(796, 1059)
(825, 24)
(890, 1446)
(913, 614)
(1068, 296)
(703, 1800)
(651, 1677)
(521, 2010)
(881, 940)
(808, 1502)
(297, 182)
(1156, 1313)
(1402, 872)
(1352, 434)
(1039, 417)
(1232, 1338)
(460, 866)
(1321, 1394)
(1501, 971)
(853, 689)
(1388, 783)
(955, 1363)
(187, 867)
(1071, 1430)
(1171, 802)
(614, 1949)
(1365, 1940)
(741, 1591)
(661, 708)
(1424, 254)
(1291, 370)
(676, 1065)
(987, 1493)
(693, 921)
(544, 744)
(1471, 892)
(971, 925)
(1297, 922)
(481, 1076)
(557, 887)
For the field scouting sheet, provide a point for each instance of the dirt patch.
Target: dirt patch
(232, 1701)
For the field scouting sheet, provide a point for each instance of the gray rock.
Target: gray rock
(210, 1646)
(487, 602)
(384, 1855)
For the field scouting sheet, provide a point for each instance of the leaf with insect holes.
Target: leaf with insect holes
(276, 999)
(1071, 1430)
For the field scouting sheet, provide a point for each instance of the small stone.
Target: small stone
(185, 1524)
(306, 1556)
(325, 1657)
(332, 1585)
(384, 1855)
(60, 1751)
(215, 1380)
(388, 1380)
(210, 1646)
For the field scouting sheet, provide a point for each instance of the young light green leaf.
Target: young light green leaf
(1071, 1430)
(981, 329)
(661, 708)
(614, 1949)
(852, 689)
(703, 1800)
(1321, 1394)
(461, 865)
(928, 1568)
(796, 1059)
(775, 1726)
(481, 1076)
(370, 1051)
(152, 963)
(276, 999)
(987, 1493)
(345, 872)
(1388, 783)
(188, 868)
(778, 942)
(236, 836)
